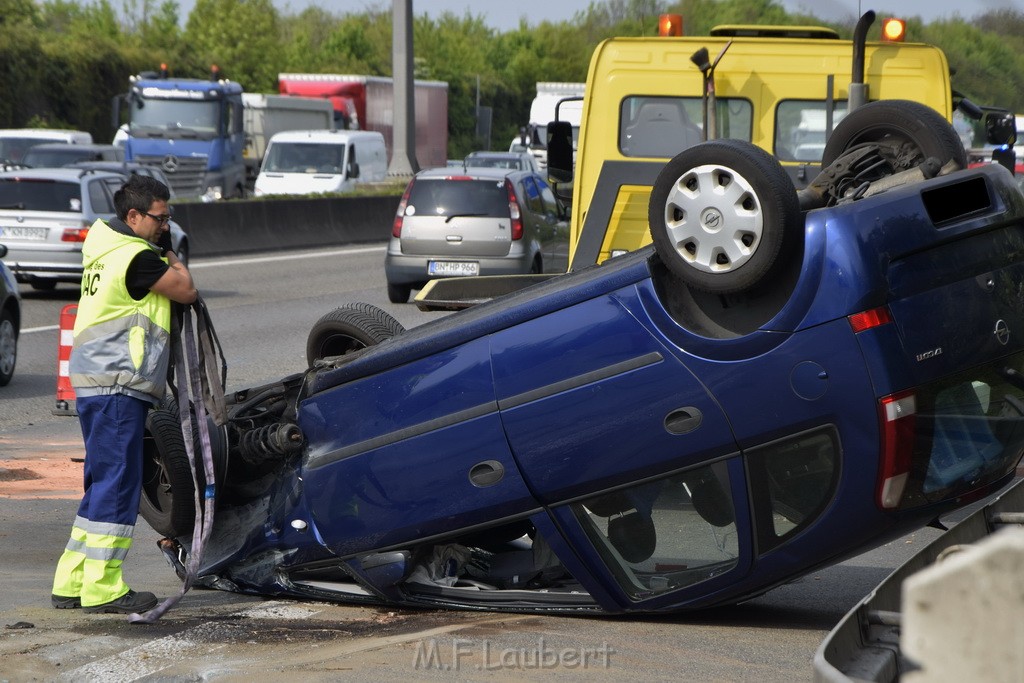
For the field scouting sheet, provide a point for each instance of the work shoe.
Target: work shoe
(65, 602)
(126, 604)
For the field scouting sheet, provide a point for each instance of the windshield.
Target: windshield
(176, 118)
(40, 195)
(303, 157)
(13, 149)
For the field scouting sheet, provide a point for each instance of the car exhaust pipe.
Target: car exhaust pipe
(858, 88)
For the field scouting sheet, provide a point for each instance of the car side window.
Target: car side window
(99, 198)
(532, 195)
(551, 207)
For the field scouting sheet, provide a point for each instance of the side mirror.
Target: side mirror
(353, 170)
(560, 151)
(3, 250)
(1000, 128)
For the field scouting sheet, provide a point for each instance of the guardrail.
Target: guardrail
(235, 227)
(866, 644)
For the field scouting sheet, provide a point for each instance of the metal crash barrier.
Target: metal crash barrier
(902, 630)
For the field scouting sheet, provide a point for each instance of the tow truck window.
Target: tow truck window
(801, 128)
(661, 127)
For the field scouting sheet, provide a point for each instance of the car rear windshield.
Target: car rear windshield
(40, 195)
(456, 197)
(13, 149)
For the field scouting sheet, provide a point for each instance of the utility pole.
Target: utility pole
(403, 134)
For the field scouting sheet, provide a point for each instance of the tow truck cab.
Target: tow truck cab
(783, 88)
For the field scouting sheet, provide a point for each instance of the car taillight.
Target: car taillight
(865, 320)
(514, 212)
(897, 416)
(396, 228)
(75, 234)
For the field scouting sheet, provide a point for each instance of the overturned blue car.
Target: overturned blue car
(782, 380)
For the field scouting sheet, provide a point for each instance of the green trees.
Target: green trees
(62, 61)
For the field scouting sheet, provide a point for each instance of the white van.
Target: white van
(14, 142)
(318, 161)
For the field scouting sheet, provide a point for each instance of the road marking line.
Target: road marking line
(249, 261)
(155, 656)
(241, 261)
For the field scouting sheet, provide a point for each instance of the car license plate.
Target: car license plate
(21, 232)
(453, 268)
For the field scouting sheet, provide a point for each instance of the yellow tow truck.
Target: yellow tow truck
(782, 88)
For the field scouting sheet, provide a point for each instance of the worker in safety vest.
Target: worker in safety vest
(118, 368)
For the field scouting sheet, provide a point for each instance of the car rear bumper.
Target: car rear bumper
(28, 266)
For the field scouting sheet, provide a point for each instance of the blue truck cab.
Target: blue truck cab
(191, 129)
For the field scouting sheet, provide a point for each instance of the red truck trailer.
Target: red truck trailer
(367, 103)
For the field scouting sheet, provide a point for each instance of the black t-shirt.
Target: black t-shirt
(144, 270)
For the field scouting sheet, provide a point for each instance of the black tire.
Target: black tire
(8, 347)
(399, 294)
(182, 252)
(350, 328)
(168, 494)
(728, 183)
(911, 131)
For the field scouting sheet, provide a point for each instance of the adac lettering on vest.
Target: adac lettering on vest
(91, 279)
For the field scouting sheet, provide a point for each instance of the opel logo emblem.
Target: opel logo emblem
(1002, 332)
(170, 163)
(712, 219)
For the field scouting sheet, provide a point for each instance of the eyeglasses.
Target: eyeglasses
(162, 219)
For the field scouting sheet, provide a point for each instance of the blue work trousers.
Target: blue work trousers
(113, 427)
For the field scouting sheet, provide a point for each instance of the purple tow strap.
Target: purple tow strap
(199, 382)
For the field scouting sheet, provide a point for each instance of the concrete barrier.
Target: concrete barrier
(237, 227)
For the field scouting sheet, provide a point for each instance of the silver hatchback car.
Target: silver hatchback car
(45, 214)
(474, 221)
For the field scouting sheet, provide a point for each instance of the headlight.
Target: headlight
(213, 193)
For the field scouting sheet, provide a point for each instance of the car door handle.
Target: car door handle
(683, 420)
(486, 473)
(453, 238)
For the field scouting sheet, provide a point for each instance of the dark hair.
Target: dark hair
(139, 193)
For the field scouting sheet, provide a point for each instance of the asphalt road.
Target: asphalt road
(263, 308)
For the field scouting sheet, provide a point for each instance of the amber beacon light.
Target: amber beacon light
(894, 30)
(670, 25)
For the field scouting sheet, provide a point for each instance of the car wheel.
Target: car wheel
(350, 328)
(907, 133)
(8, 347)
(398, 294)
(168, 493)
(721, 214)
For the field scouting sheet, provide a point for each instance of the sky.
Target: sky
(505, 14)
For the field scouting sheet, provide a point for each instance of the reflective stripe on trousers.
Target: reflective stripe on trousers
(90, 567)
